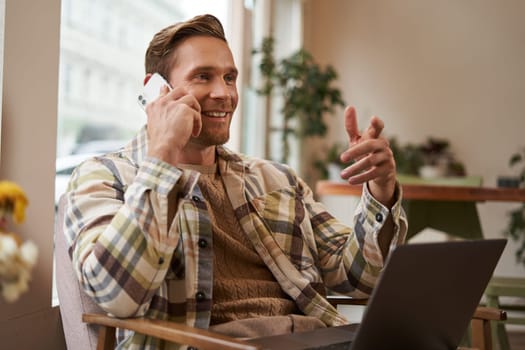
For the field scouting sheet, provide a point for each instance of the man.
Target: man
(175, 226)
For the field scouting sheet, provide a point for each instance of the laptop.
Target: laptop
(424, 299)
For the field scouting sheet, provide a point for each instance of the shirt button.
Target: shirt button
(379, 217)
(200, 296)
(203, 243)
(196, 198)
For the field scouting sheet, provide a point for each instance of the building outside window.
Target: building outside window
(102, 47)
(101, 72)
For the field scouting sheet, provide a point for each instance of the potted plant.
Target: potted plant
(435, 158)
(306, 89)
(516, 224)
(430, 159)
(408, 157)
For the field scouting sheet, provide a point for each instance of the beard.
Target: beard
(213, 135)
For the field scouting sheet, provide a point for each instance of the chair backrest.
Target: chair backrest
(73, 300)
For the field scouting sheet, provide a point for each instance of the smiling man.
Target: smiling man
(203, 99)
(175, 226)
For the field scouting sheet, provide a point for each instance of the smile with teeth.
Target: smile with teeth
(215, 114)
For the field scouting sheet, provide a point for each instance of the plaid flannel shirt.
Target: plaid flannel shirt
(133, 262)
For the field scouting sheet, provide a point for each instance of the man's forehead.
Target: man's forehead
(204, 51)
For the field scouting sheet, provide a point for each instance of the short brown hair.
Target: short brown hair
(159, 55)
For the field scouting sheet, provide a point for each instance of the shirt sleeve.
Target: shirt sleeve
(350, 257)
(116, 223)
(370, 217)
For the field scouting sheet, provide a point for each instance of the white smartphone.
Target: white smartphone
(152, 89)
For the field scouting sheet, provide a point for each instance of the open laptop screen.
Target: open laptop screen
(425, 299)
(427, 294)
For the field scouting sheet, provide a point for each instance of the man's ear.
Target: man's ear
(146, 78)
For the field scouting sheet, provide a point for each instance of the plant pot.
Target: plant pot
(431, 171)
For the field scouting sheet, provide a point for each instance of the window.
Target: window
(283, 20)
(102, 50)
(102, 47)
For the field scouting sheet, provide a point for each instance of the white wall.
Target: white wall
(447, 68)
(29, 109)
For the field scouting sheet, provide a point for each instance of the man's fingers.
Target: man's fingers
(191, 101)
(197, 125)
(351, 125)
(365, 162)
(375, 128)
(181, 95)
(363, 177)
(363, 148)
(373, 131)
(368, 168)
(164, 90)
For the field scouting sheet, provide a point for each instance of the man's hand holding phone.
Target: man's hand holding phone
(174, 116)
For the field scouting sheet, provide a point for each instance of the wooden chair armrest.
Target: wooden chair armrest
(489, 313)
(480, 324)
(344, 300)
(170, 331)
(206, 340)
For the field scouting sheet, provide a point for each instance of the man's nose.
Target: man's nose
(221, 90)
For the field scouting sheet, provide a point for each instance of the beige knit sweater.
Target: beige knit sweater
(243, 287)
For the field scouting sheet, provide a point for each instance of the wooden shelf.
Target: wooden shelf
(432, 192)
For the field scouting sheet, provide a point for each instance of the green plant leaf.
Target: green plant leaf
(515, 158)
(306, 87)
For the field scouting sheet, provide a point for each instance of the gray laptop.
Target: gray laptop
(425, 299)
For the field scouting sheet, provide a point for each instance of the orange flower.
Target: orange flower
(12, 201)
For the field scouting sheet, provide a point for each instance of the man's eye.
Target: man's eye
(230, 78)
(202, 76)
